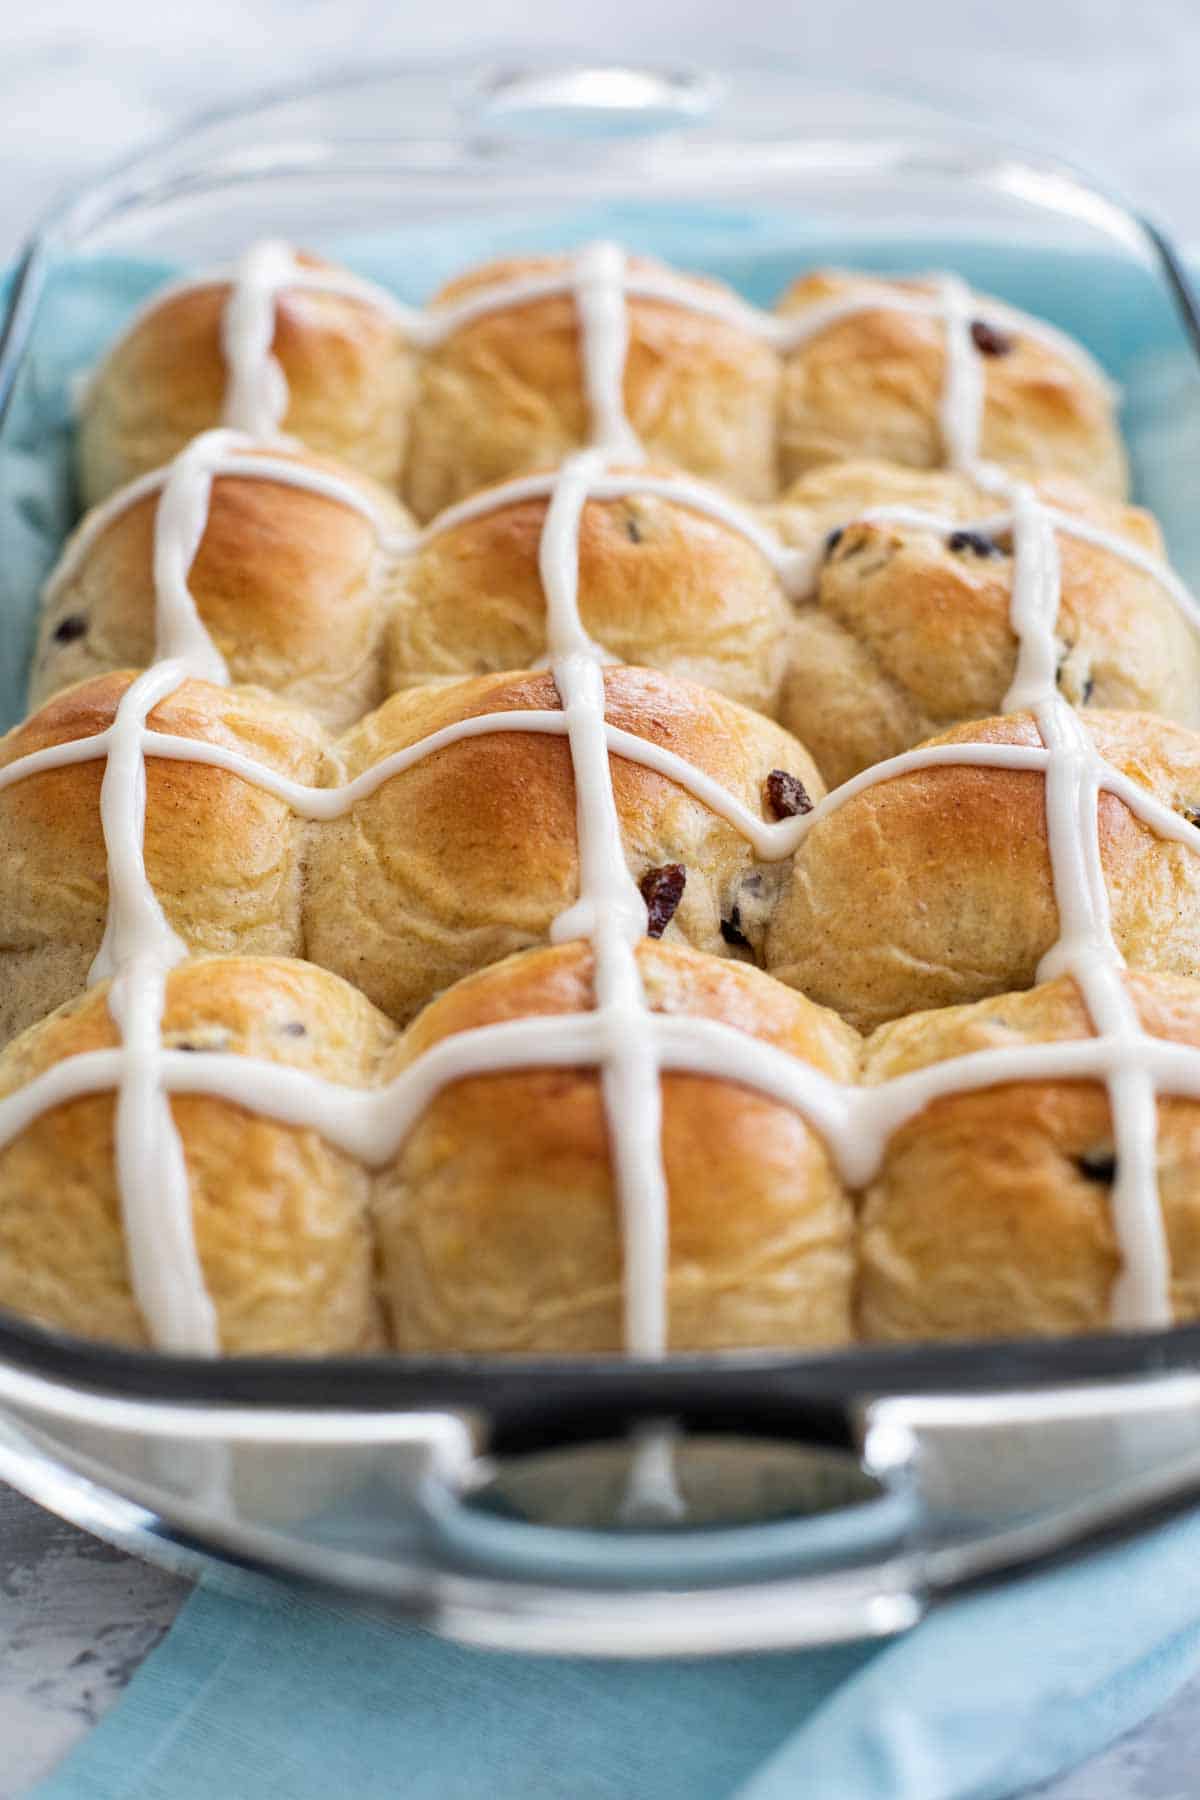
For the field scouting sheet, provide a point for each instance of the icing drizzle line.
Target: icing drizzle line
(629, 1044)
(224, 454)
(601, 279)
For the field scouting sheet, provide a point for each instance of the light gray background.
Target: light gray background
(1111, 83)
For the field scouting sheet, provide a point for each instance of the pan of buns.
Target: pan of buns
(600, 881)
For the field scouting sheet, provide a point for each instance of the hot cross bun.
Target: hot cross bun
(441, 1032)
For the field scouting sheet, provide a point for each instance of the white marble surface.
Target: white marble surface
(76, 1619)
(1108, 83)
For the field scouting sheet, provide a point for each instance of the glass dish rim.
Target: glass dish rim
(601, 1385)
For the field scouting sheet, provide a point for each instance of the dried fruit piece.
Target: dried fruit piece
(1099, 1164)
(731, 930)
(662, 890)
(786, 795)
(989, 340)
(975, 541)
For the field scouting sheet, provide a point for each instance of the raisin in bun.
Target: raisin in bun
(498, 1220)
(281, 1219)
(472, 852)
(934, 888)
(660, 584)
(223, 856)
(870, 384)
(992, 1211)
(908, 630)
(346, 373)
(506, 392)
(292, 585)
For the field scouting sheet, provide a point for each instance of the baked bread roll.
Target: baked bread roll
(508, 390)
(498, 1223)
(523, 1176)
(223, 856)
(472, 852)
(291, 583)
(934, 887)
(908, 630)
(661, 584)
(871, 384)
(992, 1213)
(262, 349)
(280, 1218)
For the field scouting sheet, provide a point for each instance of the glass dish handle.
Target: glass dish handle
(960, 1487)
(515, 106)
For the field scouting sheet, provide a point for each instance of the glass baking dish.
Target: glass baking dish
(833, 1494)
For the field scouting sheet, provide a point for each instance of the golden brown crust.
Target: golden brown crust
(870, 386)
(348, 371)
(280, 1217)
(472, 852)
(907, 635)
(291, 587)
(992, 1211)
(934, 888)
(505, 394)
(498, 1221)
(223, 857)
(659, 585)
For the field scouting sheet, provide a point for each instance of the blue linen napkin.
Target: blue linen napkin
(287, 1698)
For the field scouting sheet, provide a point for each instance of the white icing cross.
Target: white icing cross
(601, 280)
(630, 1045)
